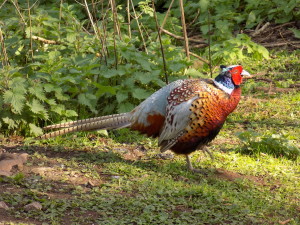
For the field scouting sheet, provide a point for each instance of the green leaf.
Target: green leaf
(53, 55)
(59, 94)
(204, 5)
(36, 107)
(140, 93)
(222, 25)
(125, 107)
(102, 132)
(109, 73)
(15, 99)
(204, 29)
(59, 108)
(251, 17)
(10, 122)
(264, 52)
(145, 64)
(296, 32)
(88, 100)
(36, 131)
(70, 113)
(38, 92)
(51, 101)
(49, 87)
(121, 96)
(144, 78)
(176, 66)
(71, 37)
(104, 89)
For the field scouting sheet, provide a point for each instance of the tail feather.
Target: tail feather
(107, 122)
(81, 122)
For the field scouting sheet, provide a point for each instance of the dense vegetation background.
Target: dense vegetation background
(64, 59)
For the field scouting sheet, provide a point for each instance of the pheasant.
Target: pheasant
(185, 115)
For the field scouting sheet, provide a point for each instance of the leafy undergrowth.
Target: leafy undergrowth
(89, 179)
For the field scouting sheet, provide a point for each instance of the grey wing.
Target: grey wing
(177, 120)
(155, 104)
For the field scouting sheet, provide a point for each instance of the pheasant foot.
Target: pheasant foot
(205, 149)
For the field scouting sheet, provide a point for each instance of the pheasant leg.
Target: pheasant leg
(190, 166)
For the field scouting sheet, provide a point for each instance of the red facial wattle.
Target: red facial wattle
(236, 75)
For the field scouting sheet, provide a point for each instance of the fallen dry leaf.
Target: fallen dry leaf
(284, 222)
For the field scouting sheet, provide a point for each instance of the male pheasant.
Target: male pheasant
(185, 115)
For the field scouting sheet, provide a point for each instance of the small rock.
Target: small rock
(33, 206)
(3, 205)
(10, 160)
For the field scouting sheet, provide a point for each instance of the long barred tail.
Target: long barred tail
(103, 122)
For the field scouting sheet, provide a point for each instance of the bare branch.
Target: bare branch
(182, 38)
(128, 18)
(161, 46)
(33, 37)
(5, 61)
(260, 30)
(139, 27)
(199, 57)
(166, 16)
(186, 41)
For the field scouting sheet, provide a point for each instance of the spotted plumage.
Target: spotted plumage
(185, 115)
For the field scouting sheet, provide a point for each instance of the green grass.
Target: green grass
(87, 178)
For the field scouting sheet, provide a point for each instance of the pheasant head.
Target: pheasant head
(230, 77)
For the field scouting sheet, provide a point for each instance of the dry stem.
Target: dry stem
(186, 41)
(182, 38)
(139, 27)
(161, 45)
(3, 48)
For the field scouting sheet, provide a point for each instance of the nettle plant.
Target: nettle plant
(87, 72)
(278, 145)
(63, 80)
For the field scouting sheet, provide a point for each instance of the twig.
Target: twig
(30, 31)
(105, 51)
(33, 37)
(260, 30)
(91, 19)
(166, 16)
(3, 4)
(5, 61)
(198, 45)
(199, 57)
(114, 36)
(186, 41)
(95, 28)
(283, 25)
(280, 44)
(128, 18)
(115, 18)
(101, 34)
(209, 44)
(161, 45)
(182, 38)
(196, 17)
(139, 27)
(18, 10)
(273, 90)
(60, 13)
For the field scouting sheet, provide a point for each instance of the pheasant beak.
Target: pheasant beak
(245, 73)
